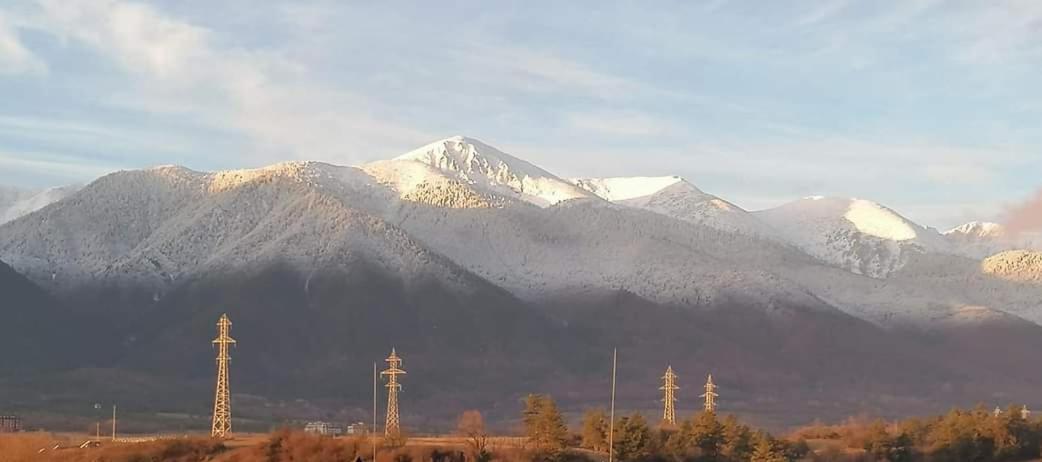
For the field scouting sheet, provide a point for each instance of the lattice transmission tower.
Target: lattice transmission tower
(392, 426)
(669, 387)
(710, 395)
(222, 402)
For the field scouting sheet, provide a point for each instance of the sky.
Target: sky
(930, 107)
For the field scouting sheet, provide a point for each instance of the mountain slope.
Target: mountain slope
(38, 331)
(675, 197)
(456, 257)
(858, 235)
(982, 239)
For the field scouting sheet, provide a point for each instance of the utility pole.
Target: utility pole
(710, 395)
(97, 422)
(669, 414)
(392, 426)
(113, 422)
(222, 402)
(611, 416)
(372, 432)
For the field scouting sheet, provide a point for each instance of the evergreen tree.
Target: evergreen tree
(737, 440)
(765, 451)
(632, 438)
(595, 430)
(544, 425)
(707, 435)
(680, 445)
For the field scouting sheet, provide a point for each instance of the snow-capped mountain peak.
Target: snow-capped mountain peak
(486, 167)
(675, 197)
(977, 230)
(859, 235)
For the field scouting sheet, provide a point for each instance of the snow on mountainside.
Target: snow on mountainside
(858, 235)
(421, 183)
(459, 207)
(675, 197)
(159, 225)
(626, 188)
(978, 239)
(494, 171)
(983, 239)
(590, 247)
(977, 230)
(19, 205)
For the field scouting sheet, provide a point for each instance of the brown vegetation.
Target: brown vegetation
(32, 447)
(960, 435)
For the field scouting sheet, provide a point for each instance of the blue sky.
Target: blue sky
(932, 107)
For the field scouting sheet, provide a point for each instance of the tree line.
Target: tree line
(704, 437)
(960, 435)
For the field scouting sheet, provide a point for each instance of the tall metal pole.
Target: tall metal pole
(611, 421)
(113, 422)
(97, 422)
(372, 433)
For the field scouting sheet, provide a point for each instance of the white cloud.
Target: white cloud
(15, 58)
(179, 69)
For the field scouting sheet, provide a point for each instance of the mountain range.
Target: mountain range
(494, 277)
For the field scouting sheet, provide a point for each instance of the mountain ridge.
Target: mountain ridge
(473, 265)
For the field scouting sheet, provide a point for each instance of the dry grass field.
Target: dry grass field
(285, 445)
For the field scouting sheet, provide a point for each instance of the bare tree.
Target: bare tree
(472, 427)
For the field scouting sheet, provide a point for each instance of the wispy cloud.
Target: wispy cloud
(546, 72)
(15, 58)
(620, 123)
(71, 168)
(179, 69)
(927, 104)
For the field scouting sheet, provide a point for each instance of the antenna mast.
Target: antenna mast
(222, 403)
(392, 426)
(669, 387)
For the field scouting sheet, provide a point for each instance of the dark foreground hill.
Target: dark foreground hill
(307, 343)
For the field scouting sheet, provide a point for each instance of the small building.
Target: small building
(10, 424)
(357, 428)
(324, 428)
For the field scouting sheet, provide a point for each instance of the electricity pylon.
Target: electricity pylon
(392, 426)
(222, 403)
(669, 386)
(710, 395)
